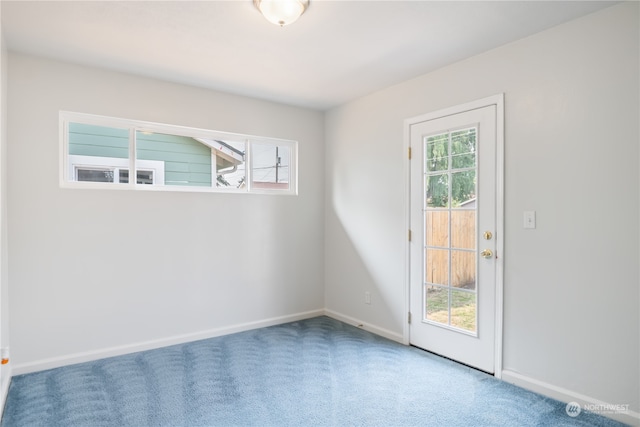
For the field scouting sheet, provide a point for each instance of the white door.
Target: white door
(453, 246)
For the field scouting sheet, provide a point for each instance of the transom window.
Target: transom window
(101, 152)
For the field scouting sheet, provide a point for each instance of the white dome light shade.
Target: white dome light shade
(281, 12)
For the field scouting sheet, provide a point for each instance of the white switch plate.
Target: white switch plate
(367, 298)
(529, 219)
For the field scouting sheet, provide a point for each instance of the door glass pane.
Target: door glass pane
(437, 303)
(463, 229)
(437, 228)
(463, 269)
(463, 188)
(438, 266)
(437, 152)
(437, 191)
(463, 149)
(450, 229)
(463, 309)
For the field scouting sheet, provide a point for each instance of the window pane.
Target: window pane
(231, 171)
(144, 177)
(94, 175)
(96, 151)
(184, 161)
(270, 166)
(168, 155)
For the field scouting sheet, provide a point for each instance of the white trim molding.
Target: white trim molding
(566, 396)
(56, 362)
(4, 387)
(71, 359)
(393, 336)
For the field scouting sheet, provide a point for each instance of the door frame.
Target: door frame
(498, 101)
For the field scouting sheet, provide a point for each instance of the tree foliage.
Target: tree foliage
(451, 159)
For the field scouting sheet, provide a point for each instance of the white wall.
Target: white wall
(5, 370)
(97, 271)
(571, 136)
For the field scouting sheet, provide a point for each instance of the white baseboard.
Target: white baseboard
(4, 387)
(88, 356)
(366, 326)
(564, 395)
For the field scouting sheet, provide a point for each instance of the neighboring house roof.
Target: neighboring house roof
(471, 203)
(226, 155)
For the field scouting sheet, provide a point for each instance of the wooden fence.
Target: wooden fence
(463, 236)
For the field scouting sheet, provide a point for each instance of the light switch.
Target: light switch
(529, 219)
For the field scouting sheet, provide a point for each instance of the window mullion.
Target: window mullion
(133, 174)
(248, 169)
(68, 173)
(214, 170)
(449, 204)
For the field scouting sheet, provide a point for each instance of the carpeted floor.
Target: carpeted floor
(316, 372)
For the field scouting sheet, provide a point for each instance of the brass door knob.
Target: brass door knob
(486, 253)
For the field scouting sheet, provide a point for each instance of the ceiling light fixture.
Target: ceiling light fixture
(281, 12)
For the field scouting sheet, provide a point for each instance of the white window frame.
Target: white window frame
(114, 164)
(67, 162)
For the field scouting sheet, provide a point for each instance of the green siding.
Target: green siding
(191, 179)
(174, 157)
(191, 167)
(186, 161)
(98, 141)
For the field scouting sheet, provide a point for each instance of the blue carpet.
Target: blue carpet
(316, 372)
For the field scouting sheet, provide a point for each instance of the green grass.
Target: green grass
(463, 307)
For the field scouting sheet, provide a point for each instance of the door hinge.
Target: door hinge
(409, 318)
(409, 234)
(409, 153)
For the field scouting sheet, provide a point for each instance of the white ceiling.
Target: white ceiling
(337, 51)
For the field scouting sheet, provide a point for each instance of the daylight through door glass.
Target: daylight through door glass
(450, 211)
